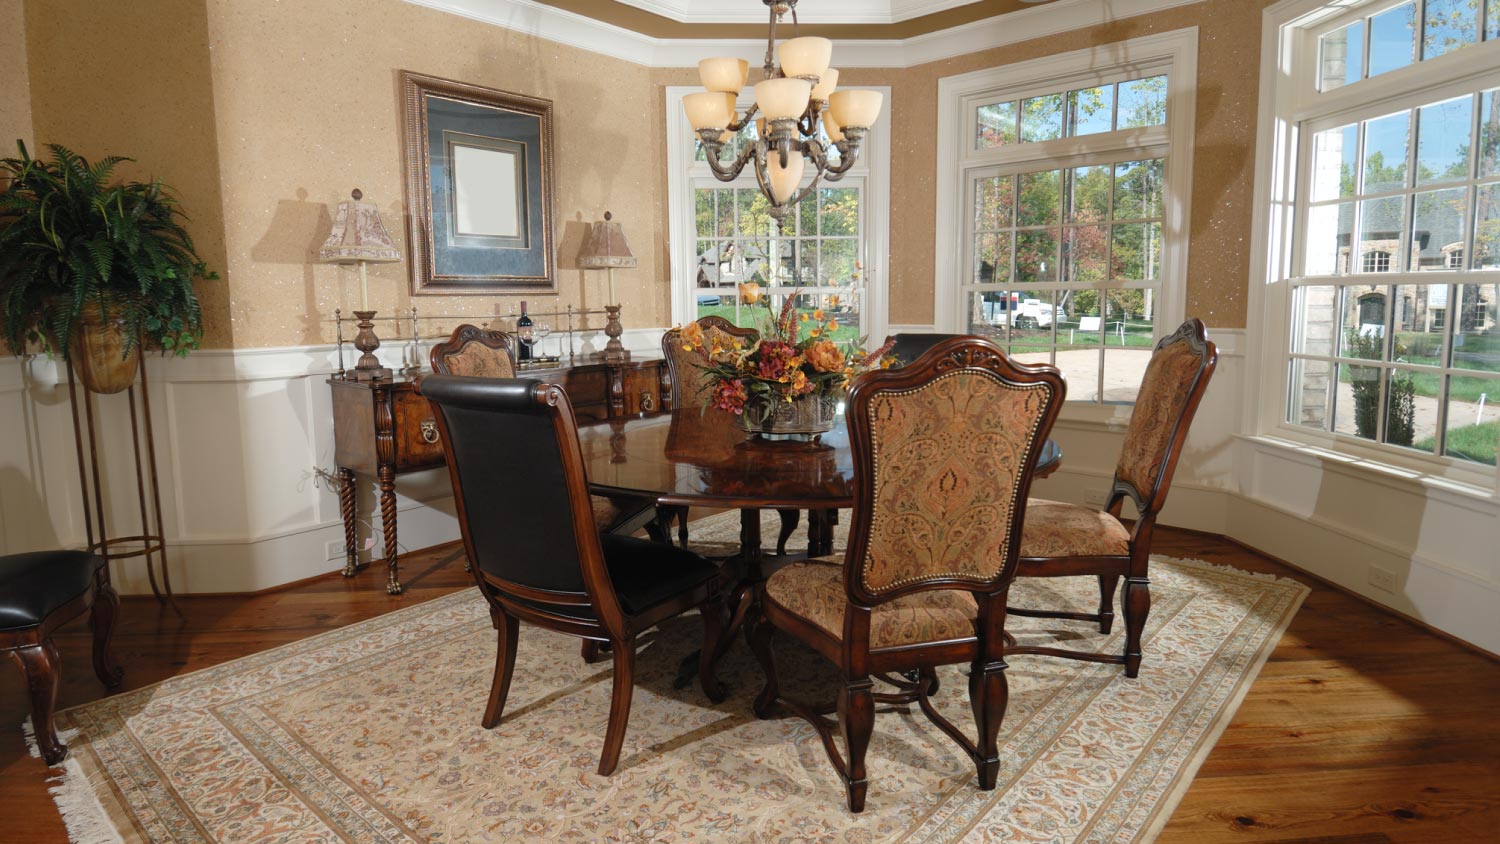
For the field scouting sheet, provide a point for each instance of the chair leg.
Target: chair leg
(789, 520)
(1137, 608)
(857, 723)
(593, 651)
(682, 521)
(761, 633)
(505, 664)
(1107, 586)
(102, 619)
(715, 624)
(619, 706)
(989, 695)
(659, 529)
(40, 665)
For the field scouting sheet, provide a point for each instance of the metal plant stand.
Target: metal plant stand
(151, 541)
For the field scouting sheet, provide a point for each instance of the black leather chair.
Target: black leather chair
(39, 592)
(523, 507)
(910, 346)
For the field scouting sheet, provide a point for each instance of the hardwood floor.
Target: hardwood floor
(1362, 728)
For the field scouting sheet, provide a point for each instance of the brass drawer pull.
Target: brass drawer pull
(648, 402)
(429, 431)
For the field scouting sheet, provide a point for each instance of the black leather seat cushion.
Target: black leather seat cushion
(646, 573)
(35, 584)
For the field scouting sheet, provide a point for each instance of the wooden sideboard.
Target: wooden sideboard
(385, 428)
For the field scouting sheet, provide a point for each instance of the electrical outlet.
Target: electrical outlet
(1094, 496)
(1382, 579)
(334, 550)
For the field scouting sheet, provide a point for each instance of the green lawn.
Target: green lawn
(1471, 442)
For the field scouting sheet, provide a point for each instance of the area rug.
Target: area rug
(370, 733)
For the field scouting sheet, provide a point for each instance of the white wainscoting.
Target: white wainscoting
(241, 435)
(241, 438)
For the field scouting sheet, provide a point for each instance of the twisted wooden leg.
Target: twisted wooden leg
(351, 524)
(388, 526)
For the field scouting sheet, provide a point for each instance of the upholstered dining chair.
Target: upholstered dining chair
(690, 392)
(944, 450)
(1066, 540)
(486, 353)
(39, 592)
(523, 510)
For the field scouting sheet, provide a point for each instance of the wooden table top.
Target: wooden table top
(704, 459)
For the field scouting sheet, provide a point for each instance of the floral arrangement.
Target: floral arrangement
(752, 378)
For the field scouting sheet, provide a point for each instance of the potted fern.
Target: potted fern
(91, 270)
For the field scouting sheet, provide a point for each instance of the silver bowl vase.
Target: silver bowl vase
(807, 415)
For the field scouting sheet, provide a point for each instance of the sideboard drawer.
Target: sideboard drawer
(417, 443)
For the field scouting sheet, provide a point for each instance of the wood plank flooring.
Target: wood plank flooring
(1363, 728)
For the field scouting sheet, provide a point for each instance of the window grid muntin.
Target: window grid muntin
(1365, 13)
(1445, 371)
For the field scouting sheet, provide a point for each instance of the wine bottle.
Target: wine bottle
(523, 333)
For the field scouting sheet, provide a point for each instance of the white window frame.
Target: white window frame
(1290, 100)
(1172, 53)
(872, 173)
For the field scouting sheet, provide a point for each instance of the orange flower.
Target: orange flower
(825, 356)
(692, 337)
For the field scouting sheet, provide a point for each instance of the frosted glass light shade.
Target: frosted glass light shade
(831, 126)
(805, 56)
(707, 109)
(827, 81)
(782, 98)
(784, 181)
(855, 107)
(723, 74)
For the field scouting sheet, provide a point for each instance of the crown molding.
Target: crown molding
(821, 12)
(586, 33)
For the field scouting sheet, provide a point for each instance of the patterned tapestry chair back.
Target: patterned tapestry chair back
(689, 385)
(944, 450)
(1171, 390)
(475, 352)
(520, 489)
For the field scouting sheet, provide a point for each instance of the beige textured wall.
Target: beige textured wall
(307, 108)
(1223, 154)
(15, 79)
(132, 79)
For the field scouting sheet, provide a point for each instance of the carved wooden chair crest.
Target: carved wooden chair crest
(475, 352)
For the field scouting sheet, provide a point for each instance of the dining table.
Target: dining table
(694, 457)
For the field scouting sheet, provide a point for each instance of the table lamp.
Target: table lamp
(359, 237)
(607, 250)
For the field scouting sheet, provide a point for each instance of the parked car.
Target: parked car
(1010, 309)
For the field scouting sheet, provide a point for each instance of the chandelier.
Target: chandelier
(794, 102)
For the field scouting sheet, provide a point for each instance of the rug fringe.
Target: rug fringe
(1193, 562)
(81, 811)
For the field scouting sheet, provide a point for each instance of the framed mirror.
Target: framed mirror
(478, 188)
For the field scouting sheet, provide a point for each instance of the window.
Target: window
(1397, 179)
(727, 250)
(1067, 184)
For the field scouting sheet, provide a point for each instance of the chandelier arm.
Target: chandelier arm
(737, 125)
(770, 65)
(732, 171)
(808, 123)
(847, 159)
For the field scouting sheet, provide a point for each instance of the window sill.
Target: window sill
(1465, 487)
